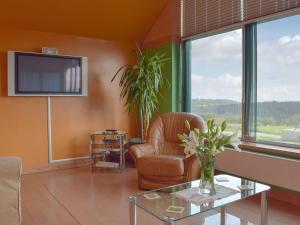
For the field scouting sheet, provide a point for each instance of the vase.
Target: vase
(207, 180)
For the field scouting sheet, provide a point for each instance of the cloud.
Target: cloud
(281, 53)
(217, 67)
(284, 40)
(279, 69)
(225, 86)
(287, 39)
(216, 49)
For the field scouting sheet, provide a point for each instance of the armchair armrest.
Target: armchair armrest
(137, 151)
(192, 168)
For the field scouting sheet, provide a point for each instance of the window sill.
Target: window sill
(284, 152)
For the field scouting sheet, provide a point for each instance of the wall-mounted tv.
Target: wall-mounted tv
(35, 74)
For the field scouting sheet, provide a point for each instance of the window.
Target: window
(270, 83)
(216, 78)
(278, 81)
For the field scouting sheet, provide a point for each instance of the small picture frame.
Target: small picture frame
(175, 209)
(151, 196)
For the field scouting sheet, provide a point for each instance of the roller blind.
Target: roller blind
(254, 9)
(202, 16)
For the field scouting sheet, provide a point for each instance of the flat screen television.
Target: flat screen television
(34, 74)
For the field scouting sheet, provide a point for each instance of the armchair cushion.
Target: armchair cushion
(161, 165)
(161, 162)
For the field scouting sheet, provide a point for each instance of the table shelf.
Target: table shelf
(104, 144)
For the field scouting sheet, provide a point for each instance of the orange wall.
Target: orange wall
(166, 28)
(23, 120)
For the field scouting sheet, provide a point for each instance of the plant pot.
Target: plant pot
(207, 180)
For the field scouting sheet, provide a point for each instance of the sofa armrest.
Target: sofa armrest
(192, 168)
(10, 167)
(137, 151)
(10, 184)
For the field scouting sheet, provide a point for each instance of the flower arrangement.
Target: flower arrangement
(207, 146)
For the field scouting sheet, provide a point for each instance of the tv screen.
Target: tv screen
(41, 74)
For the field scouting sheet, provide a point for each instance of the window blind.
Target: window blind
(203, 16)
(200, 16)
(259, 8)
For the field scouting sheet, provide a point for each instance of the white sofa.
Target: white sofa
(10, 183)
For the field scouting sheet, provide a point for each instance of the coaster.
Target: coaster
(175, 209)
(222, 179)
(151, 196)
(245, 187)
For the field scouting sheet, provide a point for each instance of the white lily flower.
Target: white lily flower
(235, 141)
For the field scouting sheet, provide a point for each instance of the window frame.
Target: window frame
(249, 80)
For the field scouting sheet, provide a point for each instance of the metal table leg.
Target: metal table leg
(132, 211)
(169, 220)
(223, 216)
(90, 150)
(243, 222)
(122, 153)
(264, 208)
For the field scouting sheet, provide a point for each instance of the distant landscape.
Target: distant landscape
(276, 121)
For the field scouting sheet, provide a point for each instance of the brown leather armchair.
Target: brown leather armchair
(161, 160)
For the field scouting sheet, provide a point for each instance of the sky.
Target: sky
(217, 63)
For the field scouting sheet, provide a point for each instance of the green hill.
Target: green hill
(271, 113)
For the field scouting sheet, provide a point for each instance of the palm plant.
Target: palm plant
(141, 84)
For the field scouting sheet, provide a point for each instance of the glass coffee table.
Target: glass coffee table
(168, 205)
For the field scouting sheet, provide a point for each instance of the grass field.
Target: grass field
(273, 129)
(263, 132)
(276, 121)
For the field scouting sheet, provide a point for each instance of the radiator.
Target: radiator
(267, 169)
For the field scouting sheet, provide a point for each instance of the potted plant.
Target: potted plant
(207, 146)
(141, 84)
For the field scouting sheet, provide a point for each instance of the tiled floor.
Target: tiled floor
(77, 196)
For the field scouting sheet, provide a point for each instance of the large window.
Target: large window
(278, 80)
(216, 70)
(270, 83)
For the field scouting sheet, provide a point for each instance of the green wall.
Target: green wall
(171, 92)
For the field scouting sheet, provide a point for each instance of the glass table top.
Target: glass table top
(158, 207)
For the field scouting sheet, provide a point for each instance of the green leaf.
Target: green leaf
(141, 84)
(223, 126)
(187, 124)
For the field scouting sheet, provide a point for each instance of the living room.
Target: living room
(149, 112)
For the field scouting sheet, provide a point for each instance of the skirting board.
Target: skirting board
(57, 166)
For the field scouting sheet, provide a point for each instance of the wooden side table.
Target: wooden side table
(104, 143)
